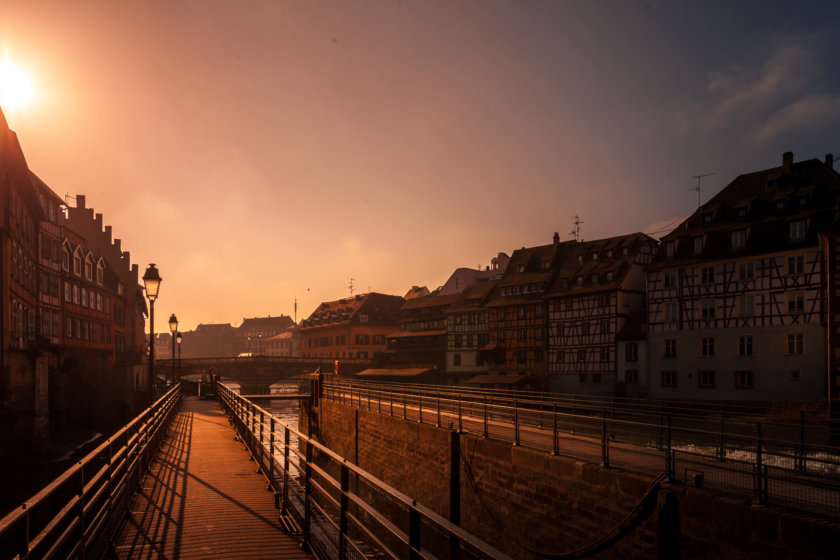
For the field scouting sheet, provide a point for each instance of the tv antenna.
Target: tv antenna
(697, 188)
(351, 286)
(576, 229)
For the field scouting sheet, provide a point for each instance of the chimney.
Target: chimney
(556, 239)
(829, 160)
(787, 161)
(80, 201)
(98, 220)
(108, 234)
(118, 245)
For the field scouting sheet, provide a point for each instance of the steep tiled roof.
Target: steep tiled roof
(429, 301)
(380, 308)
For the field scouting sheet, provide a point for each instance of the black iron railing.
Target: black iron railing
(341, 510)
(77, 515)
(724, 450)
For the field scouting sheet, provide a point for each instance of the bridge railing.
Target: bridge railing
(77, 514)
(771, 463)
(341, 510)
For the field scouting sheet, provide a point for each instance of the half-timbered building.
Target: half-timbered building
(592, 295)
(468, 333)
(517, 316)
(736, 306)
(421, 338)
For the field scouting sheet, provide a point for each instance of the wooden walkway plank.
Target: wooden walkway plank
(204, 498)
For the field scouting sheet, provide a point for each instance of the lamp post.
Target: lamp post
(173, 328)
(178, 340)
(151, 283)
(259, 336)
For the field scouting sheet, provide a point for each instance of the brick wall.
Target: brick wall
(524, 501)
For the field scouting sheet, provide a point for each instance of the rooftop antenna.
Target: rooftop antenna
(350, 287)
(576, 229)
(697, 188)
(66, 196)
(296, 311)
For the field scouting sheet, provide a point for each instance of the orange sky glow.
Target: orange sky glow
(265, 151)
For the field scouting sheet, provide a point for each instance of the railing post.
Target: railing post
(486, 430)
(801, 455)
(605, 460)
(574, 413)
(420, 407)
(515, 424)
(82, 524)
(438, 410)
(342, 523)
(271, 455)
(669, 457)
(759, 493)
(285, 469)
(262, 448)
(379, 400)
(307, 497)
(555, 437)
(391, 401)
(404, 406)
(414, 534)
(460, 417)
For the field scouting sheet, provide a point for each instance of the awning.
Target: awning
(498, 380)
(396, 372)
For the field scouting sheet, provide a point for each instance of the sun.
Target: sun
(15, 87)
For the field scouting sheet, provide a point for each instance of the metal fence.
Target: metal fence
(77, 515)
(341, 510)
(720, 449)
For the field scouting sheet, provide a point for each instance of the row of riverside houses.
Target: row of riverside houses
(71, 312)
(268, 336)
(738, 303)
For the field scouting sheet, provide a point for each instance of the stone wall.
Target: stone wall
(526, 502)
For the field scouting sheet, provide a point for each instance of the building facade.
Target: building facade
(737, 292)
(468, 333)
(420, 341)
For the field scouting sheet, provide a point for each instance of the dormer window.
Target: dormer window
(708, 217)
(738, 239)
(609, 253)
(564, 283)
(579, 281)
(698, 245)
(77, 264)
(625, 251)
(803, 201)
(594, 278)
(88, 269)
(100, 274)
(520, 268)
(545, 265)
(610, 276)
(363, 318)
(65, 259)
(669, 249)
(580, 258)
(780, 205)
(797, 230)
(742, 212)
(594, 256)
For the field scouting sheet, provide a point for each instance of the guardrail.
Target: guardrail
(341, 510)
(750, 459)
(77, 514)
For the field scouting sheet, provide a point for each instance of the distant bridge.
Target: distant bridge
(256, 373)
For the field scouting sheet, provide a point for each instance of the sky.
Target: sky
(262, 152)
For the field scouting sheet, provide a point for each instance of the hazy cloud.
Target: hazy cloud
(812, 112)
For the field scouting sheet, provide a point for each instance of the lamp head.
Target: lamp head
(178, 337)
(173, 324)
(151, 281)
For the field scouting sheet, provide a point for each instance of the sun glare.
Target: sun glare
(15, 88)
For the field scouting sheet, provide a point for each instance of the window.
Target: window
(65, 260)
(631, 352)
(743, 379)
(707, 309)
(746, 306)
(579, 280)
(707, 275)
(745, 345)
(706, 379)
(707, 346)
(88, 270)
(609, 253)
(580, 258)
(742, 212)
(594, 256)
(797, 230)
(796, 302)
(796, 264)
(521, 356)
(670, 350)
(795, 344)
(521, 334)
(738, 239)
(698, 245)
(456, 360)
(100, 275)
(594, 278)
(521, 312)
(362, 339)
(631, 376)
(746, 270)
(77, 265)
(670, 278)
(671, 311)
(610, 276)
(581, 355)
(379, 339)
(538, 310)
(669, 249)
(708, 217)
(669, 378)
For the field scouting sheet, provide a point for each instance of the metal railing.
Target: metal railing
(341, 510)
(77, 515)
(769, 462)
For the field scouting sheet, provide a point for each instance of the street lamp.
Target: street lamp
(259, 335)
(178, 340)
(173, 328)
(151, 283)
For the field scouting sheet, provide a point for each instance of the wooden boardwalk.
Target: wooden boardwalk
(203, 498)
